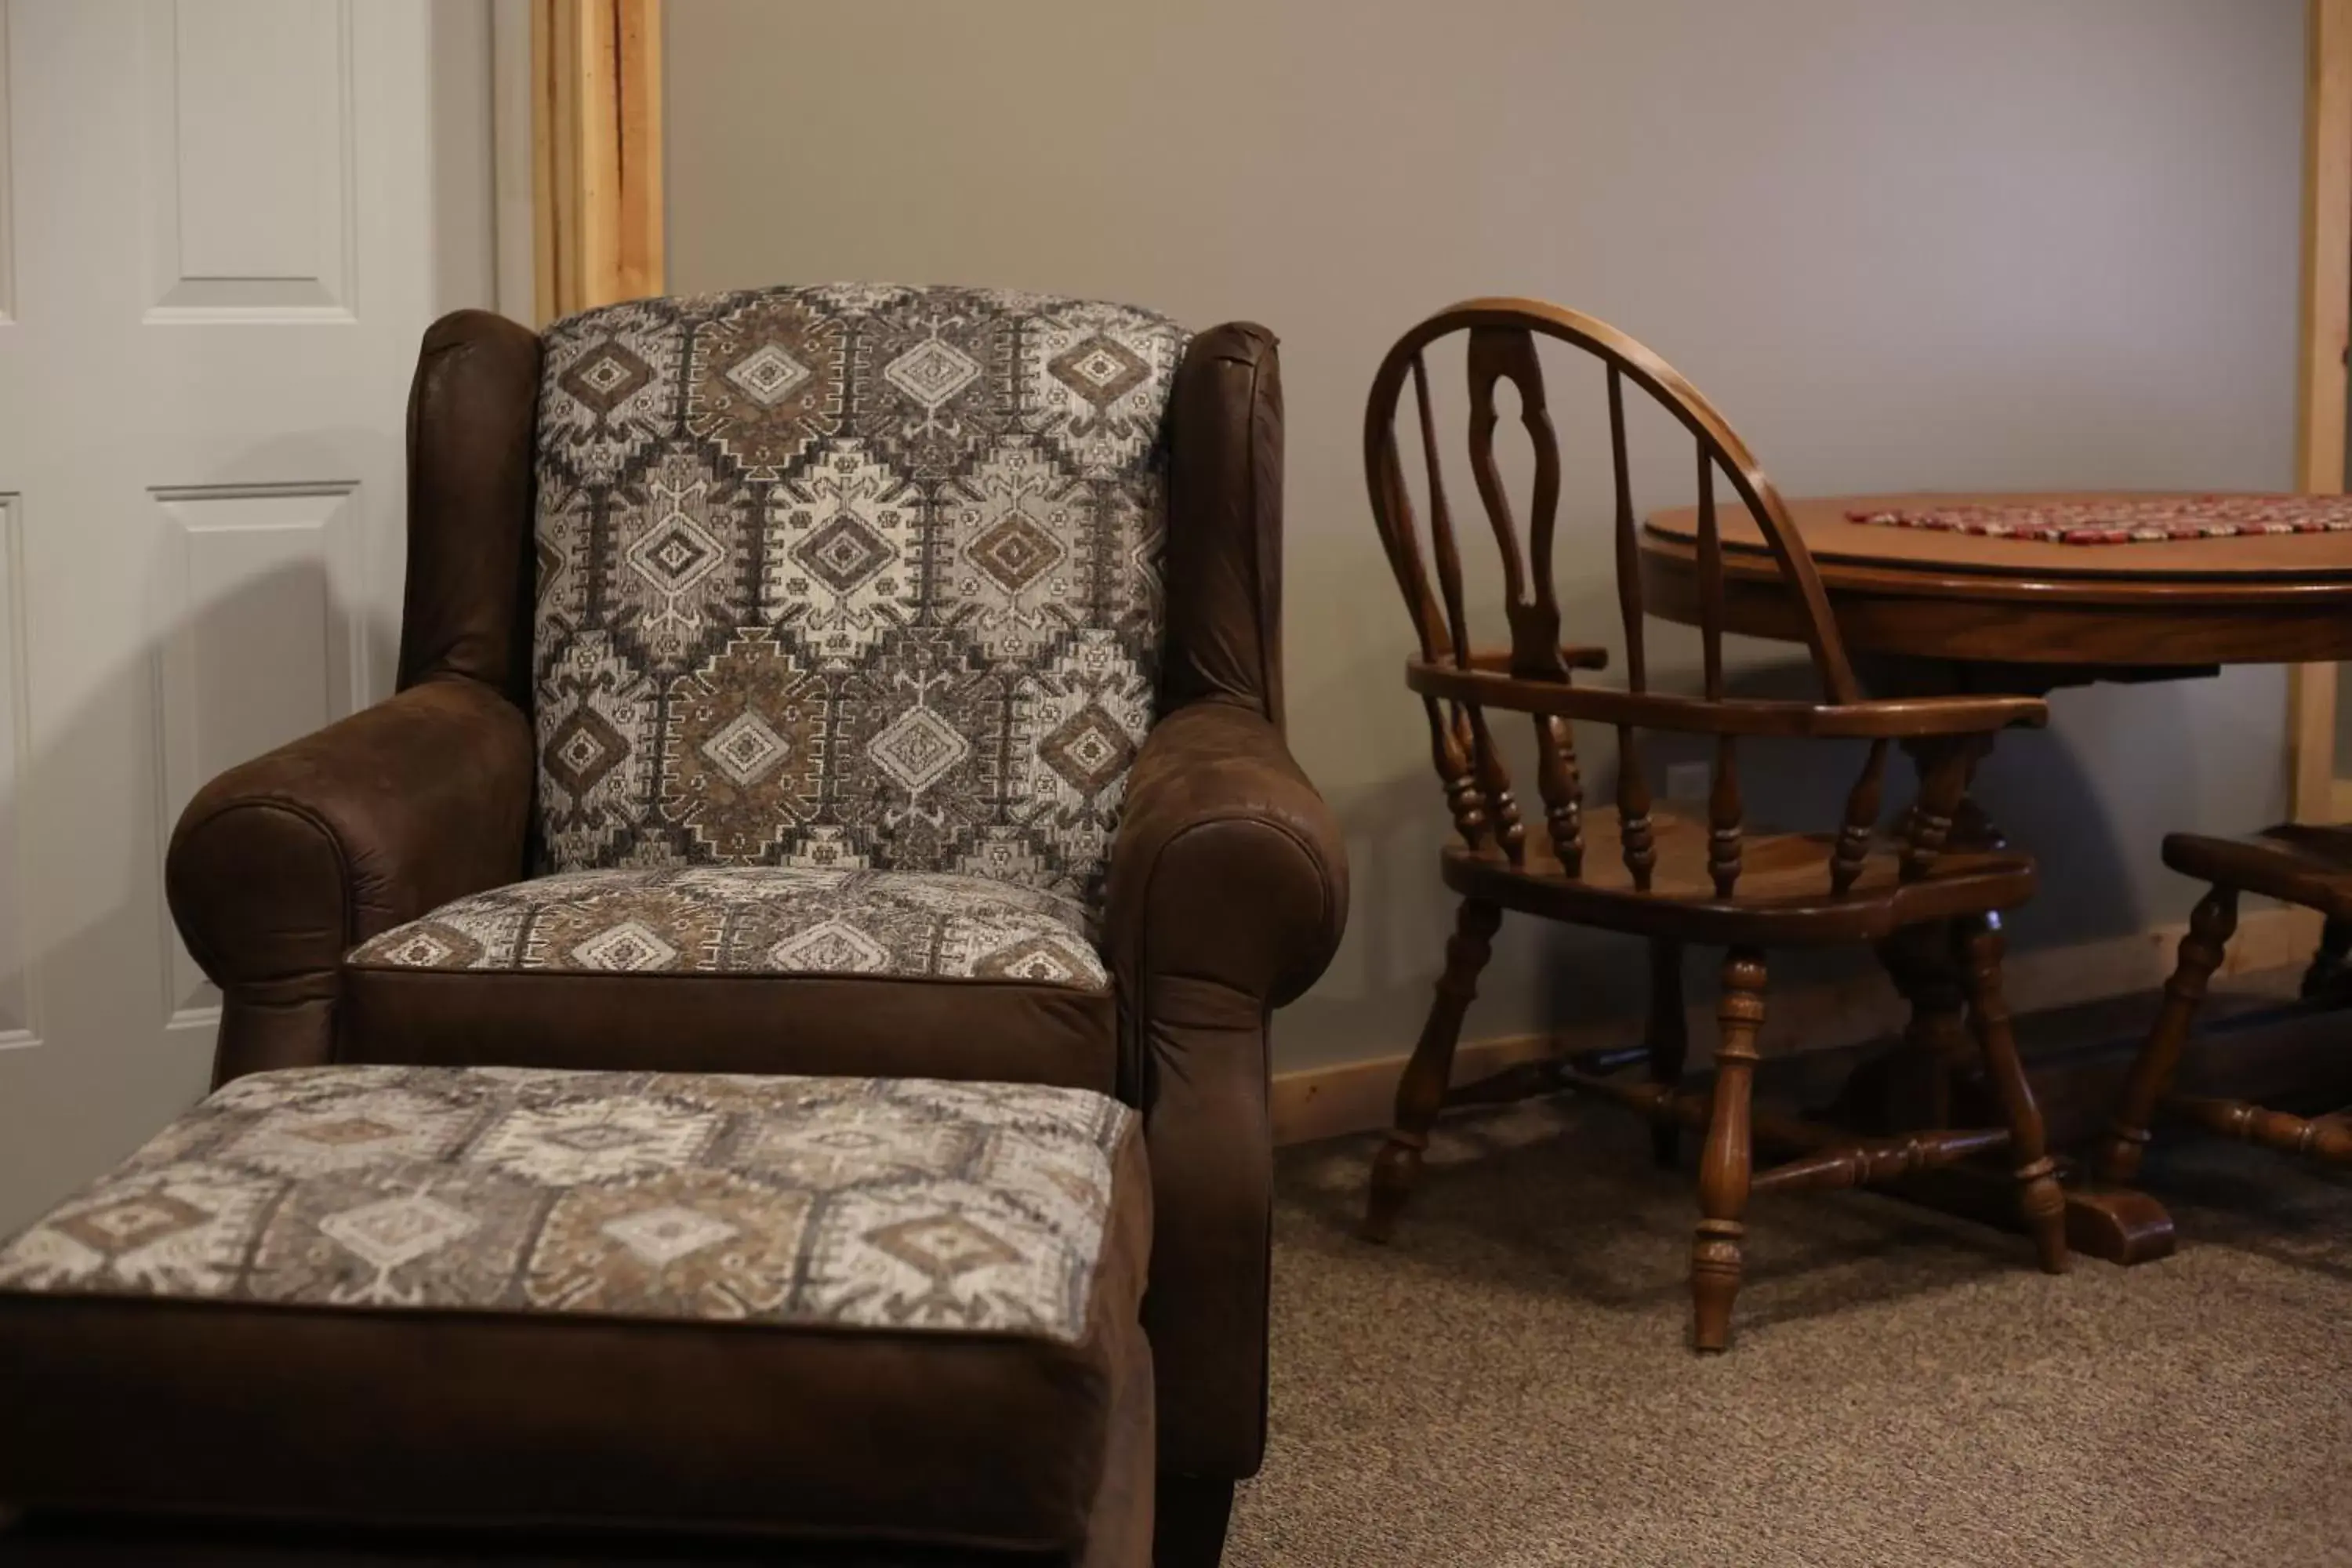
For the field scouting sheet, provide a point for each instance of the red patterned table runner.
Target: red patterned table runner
(2128, 520)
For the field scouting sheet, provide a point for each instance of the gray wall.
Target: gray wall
(1900, 243)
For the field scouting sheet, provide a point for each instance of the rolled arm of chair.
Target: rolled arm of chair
(1228, 866)
(281, 866)
(1228, 894)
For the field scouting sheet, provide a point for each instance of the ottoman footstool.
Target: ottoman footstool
(839, 1311)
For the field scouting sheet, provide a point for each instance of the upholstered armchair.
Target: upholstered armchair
(850, 679)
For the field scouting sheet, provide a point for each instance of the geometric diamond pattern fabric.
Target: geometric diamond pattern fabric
(849, 576)
(900, 1203)
(755, 920)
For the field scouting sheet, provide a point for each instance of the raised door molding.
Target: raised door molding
(251, 179)
(257, 644)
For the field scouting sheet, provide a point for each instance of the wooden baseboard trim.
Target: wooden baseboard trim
(1309, 1103)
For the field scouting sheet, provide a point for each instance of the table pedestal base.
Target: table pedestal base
(2120, 1224)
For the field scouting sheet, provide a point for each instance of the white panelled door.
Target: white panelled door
(223, 226)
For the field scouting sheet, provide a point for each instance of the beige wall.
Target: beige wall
(1901, 243)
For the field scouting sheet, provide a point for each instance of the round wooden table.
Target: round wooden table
(2026, 615)
(2078, 609)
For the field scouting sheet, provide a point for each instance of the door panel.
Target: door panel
(257, 644)
(249, 169)
(226, 224)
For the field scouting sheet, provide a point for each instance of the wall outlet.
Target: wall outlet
(1688, 782)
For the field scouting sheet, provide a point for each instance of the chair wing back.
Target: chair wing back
(849, 575)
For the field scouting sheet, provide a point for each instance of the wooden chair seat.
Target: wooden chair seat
(2304, 862)
(1783, 886)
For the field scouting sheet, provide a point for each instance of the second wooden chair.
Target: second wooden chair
(2306, 864)
(1635, 869)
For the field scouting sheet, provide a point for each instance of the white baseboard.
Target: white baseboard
(1326, 1101)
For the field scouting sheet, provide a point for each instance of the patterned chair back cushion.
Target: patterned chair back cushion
(849, 575)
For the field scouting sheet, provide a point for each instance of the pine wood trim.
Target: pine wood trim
(1309, 1103)
(2320, 383)
(596, 125)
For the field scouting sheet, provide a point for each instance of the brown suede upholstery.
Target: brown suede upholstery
(1228, 893)
(1227, 890)
(280, 866)
(465, 610)
(1224, 542)
(837, 1024)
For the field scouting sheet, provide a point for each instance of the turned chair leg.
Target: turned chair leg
(2209, 927)
(1724, 1160)
(1421, 1092)
(2327, 961)
(1668, 1041)
(2041, 1202)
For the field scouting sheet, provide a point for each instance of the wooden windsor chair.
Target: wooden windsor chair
(1647, 871)
(2306, 864)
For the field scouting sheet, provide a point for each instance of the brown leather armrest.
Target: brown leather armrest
(280, 867)
(1228, 865)
(1228, 891)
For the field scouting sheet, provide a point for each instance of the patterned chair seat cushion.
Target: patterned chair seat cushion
(742, 969)
(762, 920)
(717, 1274)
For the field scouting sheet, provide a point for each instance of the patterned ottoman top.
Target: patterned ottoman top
(905, 1204)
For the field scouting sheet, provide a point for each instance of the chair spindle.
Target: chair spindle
(1723, 816)
(1710, 578)
(1442, 542)
(1494, 782)
(1449, 744)
(1635, 836)
(1448, 750)
(1860, 821)
(1562, 787)
(1944, 779)
(1629, 540)
(1492, 778)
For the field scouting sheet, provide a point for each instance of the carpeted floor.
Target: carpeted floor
(1507, 1386)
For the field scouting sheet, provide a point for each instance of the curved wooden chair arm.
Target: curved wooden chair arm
(1573, 655)
(1895, 719)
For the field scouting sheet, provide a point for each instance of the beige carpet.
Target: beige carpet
(1505, 1385)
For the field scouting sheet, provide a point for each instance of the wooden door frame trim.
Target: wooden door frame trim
(2326, 330)
(597, 152)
